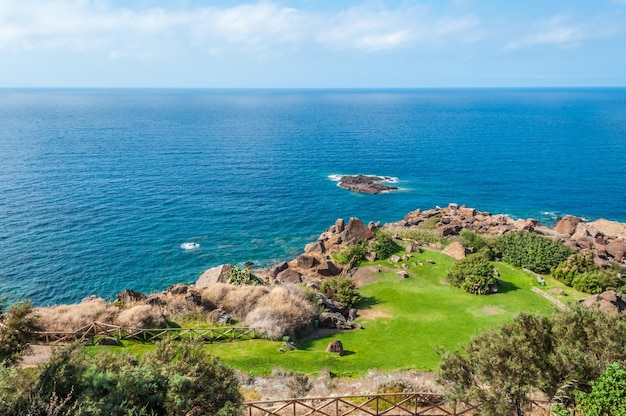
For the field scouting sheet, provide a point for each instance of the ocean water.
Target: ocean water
(100, 188)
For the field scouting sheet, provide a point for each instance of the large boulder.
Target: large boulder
(306, 262)
(217, 274)
(289, 276)
(127, 296)
(335, 346)
(328, 269)
(219, 316)
(617, 249)
(567, 225)
(277, 268)
(355, 232)
(455, 250)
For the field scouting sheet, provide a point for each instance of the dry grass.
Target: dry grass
(72, 317)
(238, 301)
(285, 310)
(141, 316)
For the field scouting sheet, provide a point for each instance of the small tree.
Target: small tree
(17, 327)
(474, 274)
(384, 245)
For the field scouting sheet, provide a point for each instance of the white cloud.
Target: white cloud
(560, 31)
(255, 28)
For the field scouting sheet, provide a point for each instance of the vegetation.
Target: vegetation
(238, 276)
(555, 356)
(469, 239)
(582, 273)
(17, 325)
(532, 251)
(353, 253)
(341, 289)
(474, 274)
(384, 245)
(177, 378)
(607, 395)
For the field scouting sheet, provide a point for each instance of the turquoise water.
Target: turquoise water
(99, 188)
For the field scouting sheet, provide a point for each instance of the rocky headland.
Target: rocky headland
(366, 184)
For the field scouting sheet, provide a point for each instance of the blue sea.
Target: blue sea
(100, 188)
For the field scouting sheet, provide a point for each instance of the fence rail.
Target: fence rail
(146, 334)
(390, 404)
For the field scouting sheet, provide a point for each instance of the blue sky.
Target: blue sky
(312, 43)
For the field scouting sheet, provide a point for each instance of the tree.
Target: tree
(17, 327)
(534, 353)
(474, 274)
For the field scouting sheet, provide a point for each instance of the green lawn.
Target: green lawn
(404, 320)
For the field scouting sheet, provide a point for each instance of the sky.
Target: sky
(312, 43)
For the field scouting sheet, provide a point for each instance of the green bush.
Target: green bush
(356, 252)
(18, 324)
(531, 251)
(469, 238)
(596, 281)
(237, 276)
(341, 289)
(473, 274)
(384, 245)
(580, 272)
(575, 264)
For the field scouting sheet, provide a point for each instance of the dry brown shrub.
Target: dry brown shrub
(287, 310)
(61, 318)
(141, 316)
(236, 300)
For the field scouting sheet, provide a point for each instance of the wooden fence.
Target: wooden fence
(147, 334)
(390, 404)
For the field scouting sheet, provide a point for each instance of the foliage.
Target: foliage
(532, 251)
(421, 235)
(500, 368)
(583, 274)
(238, 276)
(474, 274)
(17, 325)
(177, 378)
(356, 252)
(470, 239)
(341, 289)
(384, 245)
(607, 395)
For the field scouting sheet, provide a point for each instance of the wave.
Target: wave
(190, 246)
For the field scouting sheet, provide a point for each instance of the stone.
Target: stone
(467, 212)
(610, 295)
(109, 341)
(194, 297)
(218, 274)
(317, 247)
(219, 316)
(356, 232)
(617, 249)
(177, 289)
(333, 320)
(277, 268)
(430, 261)
(335, 347)
(557, 291)
(591, 300)
(455, 250)
(402, 274)
(328, 269)
(339, 225)
(289, 276)
(366, 184)
(306, 262)
(412, 248)
(567, 225)
(326, 303)
(155, 300)
(371, 256)
(394, 259)
(452, 206)
(130, 296)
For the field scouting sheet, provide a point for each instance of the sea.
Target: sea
(109, 189)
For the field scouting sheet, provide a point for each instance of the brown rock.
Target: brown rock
(178, 289)
(467, 212)
(610, 295)
(356, 232)
(402, 274)
(306, 262)
(130, 296)
(289, 276)
(328, 269)
(371, 256)
(335, 346)
(217, 274)
(219, 316)
(567, 225)
(277, 268)
(412, 248)
(557, 291)
(317, 247)
(455, 250)
(339, 225)
(617, 249)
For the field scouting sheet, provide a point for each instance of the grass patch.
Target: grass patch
(409, 319)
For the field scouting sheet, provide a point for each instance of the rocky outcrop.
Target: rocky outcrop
(289, 276)
(366, 184)
(355, 232)
(217, 274)
(608, 301)
(567, 225)
(328, 269)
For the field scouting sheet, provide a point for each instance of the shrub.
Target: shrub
(384, 245)
(16, 331)
(238, 301)
(470, 239)
(596, 281)
(580, 272)
(419, 235)
(237, 276)
(355, 252)
(299, 385)
(575, 264)
(341, 289)
(473, 274)
(532, 251)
